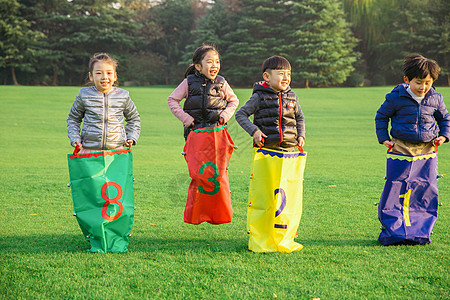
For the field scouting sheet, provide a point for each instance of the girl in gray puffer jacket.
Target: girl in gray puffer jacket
(104, 108)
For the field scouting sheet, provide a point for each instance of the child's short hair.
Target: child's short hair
(276, 63)
(99, 57)
(417, 66)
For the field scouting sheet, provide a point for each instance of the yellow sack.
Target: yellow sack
(275, 200)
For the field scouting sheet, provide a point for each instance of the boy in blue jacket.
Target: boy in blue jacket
(419, 121)
(419, 118)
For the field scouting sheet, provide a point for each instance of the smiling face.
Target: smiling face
(419, 86)
(278, 80)
(103, 75)
(210, 65)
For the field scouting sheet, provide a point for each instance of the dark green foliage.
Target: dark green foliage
(313, 35)
(49, 42)
(260, 24)
(78, 29)
(323, 43)
(355, 79)
(18, 41)
(176, 22)
(389, 30)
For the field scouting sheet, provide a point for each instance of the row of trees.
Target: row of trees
(328, 42)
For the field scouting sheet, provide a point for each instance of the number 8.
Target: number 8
(113, 200)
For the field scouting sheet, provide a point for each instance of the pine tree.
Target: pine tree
(417, 26)
(246, 33)
(76, 30)
(440, 9)
(17, 39)
(261, 32)
(213, 28)
(323, 53)
(313, 35)
(429, 32)
(176, 21)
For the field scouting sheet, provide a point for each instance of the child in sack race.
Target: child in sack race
(279, 122)
(418, 115)
(103, 108)
(420, 123)
(210, 103)
(101, 174)
(276, 187)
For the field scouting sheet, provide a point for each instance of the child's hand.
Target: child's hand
(439, 140)
(77, 144)
(388, 143)
(127, 144)
(221, 120)
(258, 137)
(300, 141)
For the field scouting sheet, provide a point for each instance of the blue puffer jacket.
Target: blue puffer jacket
(411, 121)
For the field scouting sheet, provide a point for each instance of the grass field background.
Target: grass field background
(43, 253)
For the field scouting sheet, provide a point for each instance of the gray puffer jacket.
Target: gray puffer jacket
(103, 114)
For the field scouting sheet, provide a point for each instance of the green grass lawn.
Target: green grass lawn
(43, 253)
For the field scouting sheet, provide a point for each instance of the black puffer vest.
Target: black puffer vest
(276, 116)
(204, 101)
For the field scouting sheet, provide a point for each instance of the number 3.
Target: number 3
(113, 200)
(211, 179)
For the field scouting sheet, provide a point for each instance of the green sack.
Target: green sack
(103, 197)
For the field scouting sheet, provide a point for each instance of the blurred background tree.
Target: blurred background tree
(18, 42)
(323, 43)
(329, 43)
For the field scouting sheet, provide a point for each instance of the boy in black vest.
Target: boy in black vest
(278, 119)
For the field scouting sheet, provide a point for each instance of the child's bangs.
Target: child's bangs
(282, 65)
(276, 63)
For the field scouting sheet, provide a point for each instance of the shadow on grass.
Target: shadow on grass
(43, 243)
(72, 243)
(341, 242)
(187, 245)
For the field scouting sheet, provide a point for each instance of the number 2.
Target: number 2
(281, 208)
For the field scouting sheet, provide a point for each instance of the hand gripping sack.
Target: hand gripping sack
(409, 202)
(207, 152)
(275, 200)
(103, 197)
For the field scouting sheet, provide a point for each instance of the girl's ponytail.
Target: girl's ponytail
(190, 70)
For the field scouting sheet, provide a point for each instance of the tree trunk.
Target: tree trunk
(13, 74)
(5, 80)
(307, 84)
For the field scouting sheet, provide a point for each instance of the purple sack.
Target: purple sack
(409, 202)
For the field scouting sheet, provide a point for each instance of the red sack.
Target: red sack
(207, 152)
